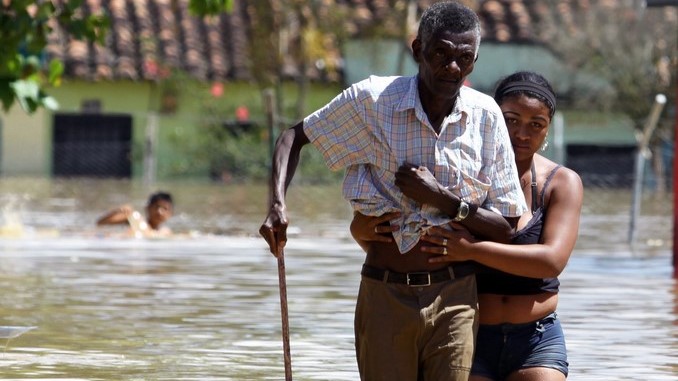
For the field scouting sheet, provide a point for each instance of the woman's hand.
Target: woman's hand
(366, 229)
(452, 245)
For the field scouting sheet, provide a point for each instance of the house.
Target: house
(121, 109)
(133, 107)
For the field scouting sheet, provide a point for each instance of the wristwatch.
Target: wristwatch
(462, 211)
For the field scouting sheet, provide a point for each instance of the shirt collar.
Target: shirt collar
(411, 100)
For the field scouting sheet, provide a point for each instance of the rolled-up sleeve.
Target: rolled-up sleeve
(339, 132)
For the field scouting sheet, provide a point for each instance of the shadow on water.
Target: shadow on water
(205, 305)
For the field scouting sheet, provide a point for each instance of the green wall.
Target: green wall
(177, 132)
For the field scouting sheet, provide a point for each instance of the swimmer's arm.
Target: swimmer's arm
(116, 216)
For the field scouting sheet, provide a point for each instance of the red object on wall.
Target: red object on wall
(242, 114)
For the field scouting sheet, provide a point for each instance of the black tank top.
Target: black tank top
(491, 281)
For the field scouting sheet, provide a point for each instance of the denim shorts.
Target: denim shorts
(505, 348)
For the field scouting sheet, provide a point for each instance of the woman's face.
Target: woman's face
(528, 123)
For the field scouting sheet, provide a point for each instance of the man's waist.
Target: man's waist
(410, 229)
(420, 278)
(386, 255)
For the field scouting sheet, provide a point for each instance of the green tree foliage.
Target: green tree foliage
(289, 39)
(25, 26)
(632, 48)
(210, 7)
(233, 151)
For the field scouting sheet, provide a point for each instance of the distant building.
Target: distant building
(121, 116)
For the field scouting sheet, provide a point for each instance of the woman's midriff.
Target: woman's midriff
(387, 256)
(516, 309)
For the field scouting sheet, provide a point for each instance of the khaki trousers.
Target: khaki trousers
(405, 333)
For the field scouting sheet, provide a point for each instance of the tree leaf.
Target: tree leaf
(49, 102)
(27, 93)
(56, 70)
(6, 94)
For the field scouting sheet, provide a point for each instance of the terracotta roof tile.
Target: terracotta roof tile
(149, 37)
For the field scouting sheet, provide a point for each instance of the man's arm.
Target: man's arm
(419, 184)
(116, 216)
(284, 165)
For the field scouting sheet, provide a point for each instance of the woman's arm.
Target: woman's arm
(547, 259)
(367, 229)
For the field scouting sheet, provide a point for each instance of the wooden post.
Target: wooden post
(643, 152)
(272, 118)
(150, 142)
(672, 3)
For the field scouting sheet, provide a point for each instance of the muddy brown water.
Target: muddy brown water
(204, 305)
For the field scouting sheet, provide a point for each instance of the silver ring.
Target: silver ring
(444, 251)
(444, 241)
(376, 229)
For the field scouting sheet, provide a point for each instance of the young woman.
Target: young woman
(520, 337)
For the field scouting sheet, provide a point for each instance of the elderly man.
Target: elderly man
(415, 320)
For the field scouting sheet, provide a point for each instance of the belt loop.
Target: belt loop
(540, 326)
(451, 271)
(385, 280)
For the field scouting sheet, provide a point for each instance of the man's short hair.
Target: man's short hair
(160, 196)
(447, 16)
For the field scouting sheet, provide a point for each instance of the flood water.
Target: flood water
(204, 305)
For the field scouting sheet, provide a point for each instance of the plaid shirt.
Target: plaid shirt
(378, 124)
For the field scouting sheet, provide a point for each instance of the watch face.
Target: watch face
(462, 211)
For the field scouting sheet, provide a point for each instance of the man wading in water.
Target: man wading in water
(415, 320)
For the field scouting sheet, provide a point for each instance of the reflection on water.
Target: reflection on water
(206, 306)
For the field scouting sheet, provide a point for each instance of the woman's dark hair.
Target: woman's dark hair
(527, 83)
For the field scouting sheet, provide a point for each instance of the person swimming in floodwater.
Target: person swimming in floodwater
(159, 209)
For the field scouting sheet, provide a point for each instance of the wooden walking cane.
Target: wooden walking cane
(271, 112)
(282, 284)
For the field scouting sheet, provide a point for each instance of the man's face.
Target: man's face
(445, 61)
(158, 212)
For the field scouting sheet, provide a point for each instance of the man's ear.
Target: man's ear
(416, 50)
